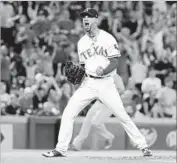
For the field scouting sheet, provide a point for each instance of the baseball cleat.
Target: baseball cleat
(53, 153)
(147, 152)
(108, 143)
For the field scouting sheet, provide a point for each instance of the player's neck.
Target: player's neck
(93, 32)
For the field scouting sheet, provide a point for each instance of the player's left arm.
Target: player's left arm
(113, 54)
(112, 65)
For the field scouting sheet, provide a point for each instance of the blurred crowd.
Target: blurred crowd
(37, 37)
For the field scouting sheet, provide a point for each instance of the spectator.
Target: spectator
(105, 18)
(12, 108)
(50, 92)
(25, 36)
(149, 55)
(59, 56)
(159, 29)
(147, 22)
(136, 107)
(7, 22)
(4, 97)
(167, 99)
(5, 68)
(134, 24)
(149, 106)
(160, 5)
(60, 78)
(51, 107)
(163, 67)
(148, 7)
(45, 64)
(32, 10)
(173, 73)
(39, 79)
(150, 87)
(19, 70)
(139, 73)
(75, 8)
(26, 102)
(65, 24)
(42, 89)
(3, 106)
(55, 7)
(73, 55)
(39, 98)
(123, 67)
(118, 22)
(78, 27)
(31, 69)
(151, 84)
(128, 98)
(129, 92)
(48, 110)
(29, 82)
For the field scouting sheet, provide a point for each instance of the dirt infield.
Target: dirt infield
(35, 156)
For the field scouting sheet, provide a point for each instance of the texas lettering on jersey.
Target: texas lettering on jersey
(96, 50)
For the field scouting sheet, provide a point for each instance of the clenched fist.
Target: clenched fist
(99, 71)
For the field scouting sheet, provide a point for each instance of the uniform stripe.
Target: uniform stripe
(118, 55)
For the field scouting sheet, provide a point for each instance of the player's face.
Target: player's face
(88, 22)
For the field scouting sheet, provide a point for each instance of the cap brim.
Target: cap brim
(82, 14)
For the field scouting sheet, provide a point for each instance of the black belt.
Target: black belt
(94, 77)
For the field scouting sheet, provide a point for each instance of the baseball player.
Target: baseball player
(96, 117)
(98, 52)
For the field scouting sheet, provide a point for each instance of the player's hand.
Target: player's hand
(99, 71)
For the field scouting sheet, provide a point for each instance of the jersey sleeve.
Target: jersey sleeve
(81, 61)
(112, 48)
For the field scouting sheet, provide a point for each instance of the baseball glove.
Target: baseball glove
(74, 73)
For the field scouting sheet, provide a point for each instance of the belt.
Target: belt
(95, 77)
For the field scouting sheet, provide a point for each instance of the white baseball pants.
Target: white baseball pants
(104, 90)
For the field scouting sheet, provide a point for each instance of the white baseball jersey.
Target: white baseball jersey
(97, 51)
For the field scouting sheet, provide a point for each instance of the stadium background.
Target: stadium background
(37, 37)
